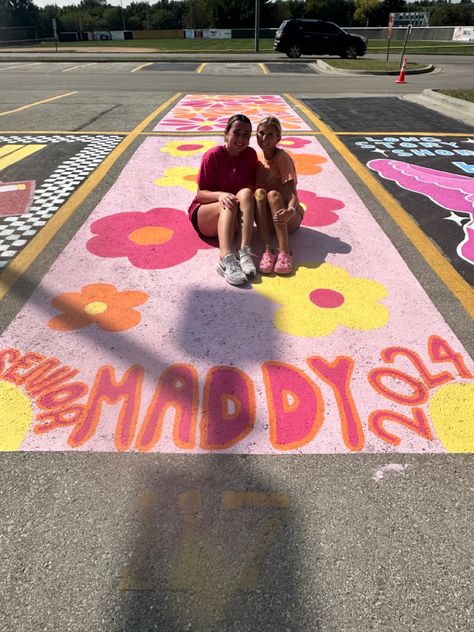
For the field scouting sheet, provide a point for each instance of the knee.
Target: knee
(274, 197)
(245, 195)
(260, 195)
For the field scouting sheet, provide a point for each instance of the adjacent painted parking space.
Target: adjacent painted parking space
(290, 68)
(138, 345)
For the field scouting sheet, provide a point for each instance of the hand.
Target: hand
(284, 215)
(227, 200)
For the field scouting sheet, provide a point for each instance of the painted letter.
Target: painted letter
(228, 408)
(431, 381)
(418, 424)
(295, 406)
(440, 351)
(106, 388)
(338, 375)
(418, 397)
(178, 389)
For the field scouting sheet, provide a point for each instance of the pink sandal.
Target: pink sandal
(267, 263)
(284, 263)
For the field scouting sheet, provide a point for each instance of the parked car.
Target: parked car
(316, 37)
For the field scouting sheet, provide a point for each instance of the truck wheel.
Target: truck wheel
(294, 51)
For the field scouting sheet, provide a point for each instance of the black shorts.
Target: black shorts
(212, 241)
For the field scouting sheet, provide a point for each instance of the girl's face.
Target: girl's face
(267, 137)
(238, 137)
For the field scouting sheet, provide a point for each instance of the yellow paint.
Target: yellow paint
(201, 68)
(451, 410)
(21, 152)
(16, 416)
(235, 499)
(31, 105)
(142, 66)
(8, 149)
(173, 147)
(179, 177)
(299, 316)
(29, 253)
(151, 235)
(454, 281)
(96, 307)
(264, 69)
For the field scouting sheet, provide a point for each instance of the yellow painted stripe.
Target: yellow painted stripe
(19, 154)
(264, 69)
(30, 105)
(142, 66)
(80, 66)
(234, 499)
(29, 253)
(9, 149)
(201, 68)
(458, 286)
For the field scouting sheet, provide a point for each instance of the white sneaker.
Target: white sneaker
(246, 261)
(230, 269)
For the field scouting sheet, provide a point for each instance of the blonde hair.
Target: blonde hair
(271, 120)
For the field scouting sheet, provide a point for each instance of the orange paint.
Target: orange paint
(218, 432)
(106, 388)
(338, 375)
(418, 424)
(431, 381)
(420, 392)
(23, 362)
(441, 351)
(177, 388)
(293, 426)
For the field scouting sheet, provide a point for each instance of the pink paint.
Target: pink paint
(319, 210)
(295, 406)
(448, 190)
(188, 147)
(324, 297)
(160, 238)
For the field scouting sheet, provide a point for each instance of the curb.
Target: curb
(442, 103)
(452, 102)
(328, 69)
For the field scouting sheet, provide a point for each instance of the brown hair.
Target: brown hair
(236, 118)
(271, 120)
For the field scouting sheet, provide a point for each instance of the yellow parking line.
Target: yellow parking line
(264, 69)
(23, 260)
(30, 105)
(201, 68)
(80, 66)
(446, 272)
(33, 63)
(142, 66)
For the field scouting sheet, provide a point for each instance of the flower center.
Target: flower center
(324, 297)
(151, 235)
(189, 147)
(96, 307)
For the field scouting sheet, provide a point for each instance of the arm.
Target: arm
(227, 200)
(289, 193)
(208, 181)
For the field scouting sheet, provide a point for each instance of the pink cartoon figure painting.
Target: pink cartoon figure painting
(450, 191)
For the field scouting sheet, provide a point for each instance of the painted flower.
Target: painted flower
(184, 148)
(179, 177)
(319, 209)
(99, 303)
(192, 122)
(316, 301)
(291, 142)
(152, 240)
(308, 164)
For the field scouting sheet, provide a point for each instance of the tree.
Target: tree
(363, 11)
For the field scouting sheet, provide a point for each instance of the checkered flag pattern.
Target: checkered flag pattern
(17, 231)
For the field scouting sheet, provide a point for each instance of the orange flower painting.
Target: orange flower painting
(100, 304)
(308, 164)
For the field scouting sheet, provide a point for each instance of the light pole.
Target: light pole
(257, 25)
(123, 15)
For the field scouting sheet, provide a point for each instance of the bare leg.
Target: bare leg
(214, 220)
(262, 216)
(247, 215)
(276, 203)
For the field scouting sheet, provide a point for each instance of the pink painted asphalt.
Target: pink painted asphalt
(352, 297)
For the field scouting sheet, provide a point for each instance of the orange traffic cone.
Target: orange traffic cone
(401, 76)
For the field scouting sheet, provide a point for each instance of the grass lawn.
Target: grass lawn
(371, 64)
(266, 46)
(467, 95)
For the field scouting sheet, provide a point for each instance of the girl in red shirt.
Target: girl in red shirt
(224, 202)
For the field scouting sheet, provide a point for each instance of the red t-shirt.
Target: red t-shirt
(219, 171)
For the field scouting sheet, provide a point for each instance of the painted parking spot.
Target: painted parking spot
(58, 165)
(139, 345)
